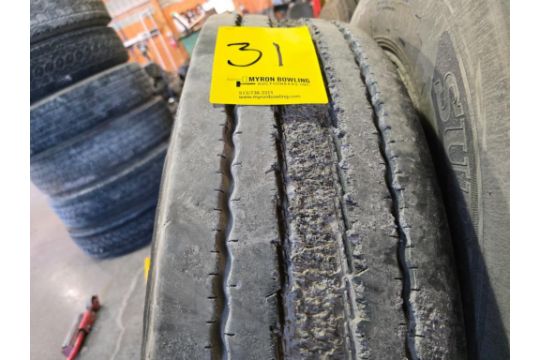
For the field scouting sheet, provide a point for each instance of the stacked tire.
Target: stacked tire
(98, 133)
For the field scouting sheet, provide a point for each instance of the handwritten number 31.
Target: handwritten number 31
(244, 46)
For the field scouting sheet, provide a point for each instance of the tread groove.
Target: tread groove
(223, 234)
(227, 163)
(313, 250)
(282, 216)
(324, 243)
(227, 216)
(282, 205)
(395, 188)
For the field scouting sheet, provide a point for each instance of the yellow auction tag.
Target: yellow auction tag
(146, 267)
(266, 66)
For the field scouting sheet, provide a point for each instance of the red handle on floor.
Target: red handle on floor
(85, 325)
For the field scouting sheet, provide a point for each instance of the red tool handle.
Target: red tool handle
(85, 325)
(77, 346)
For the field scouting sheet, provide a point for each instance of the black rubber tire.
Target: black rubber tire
(53, 17)
(116, 216)
(106, 203)
(454, 59)
(97, 153)
(86, 104)
(65, 59)
(302, 232)
(132, 233)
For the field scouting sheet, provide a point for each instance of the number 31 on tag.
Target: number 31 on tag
(266, 66)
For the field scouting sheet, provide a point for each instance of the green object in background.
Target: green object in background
(189, 41)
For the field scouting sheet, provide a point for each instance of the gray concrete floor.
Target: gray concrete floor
(62, 279)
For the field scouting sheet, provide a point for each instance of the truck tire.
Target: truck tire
(86, 104)
(96, 153)
(305, 231)
(129, 234)
(454, 59)
(115, 215)
(53, 17)
(65, 59)
(112, 201)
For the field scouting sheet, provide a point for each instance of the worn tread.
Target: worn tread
(378, 319)
(98, 152)
(52, 17)
(62, 60)
(253, 281)
(254, 278)
(342, 218)
(463, 46)
(126, 235)
(434, 311)
(86, 104)
(189, 231)
(103, 203)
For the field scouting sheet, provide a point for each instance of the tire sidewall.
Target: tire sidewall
(454, 60)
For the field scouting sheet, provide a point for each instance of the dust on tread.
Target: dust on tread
(315, 294)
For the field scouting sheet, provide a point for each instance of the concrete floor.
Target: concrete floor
(62, 280)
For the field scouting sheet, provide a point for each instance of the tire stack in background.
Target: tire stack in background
(98, 134)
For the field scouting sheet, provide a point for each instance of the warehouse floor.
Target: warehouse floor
(62, 282)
